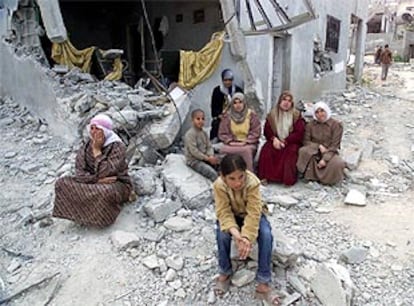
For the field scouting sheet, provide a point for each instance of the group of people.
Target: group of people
(93, 196)
(383, 57)
(292, 149)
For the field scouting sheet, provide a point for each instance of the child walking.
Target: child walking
(198, 150)
(240, 216)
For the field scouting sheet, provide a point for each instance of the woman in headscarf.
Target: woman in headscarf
(101, 183)
(284, 130)
(240, 130)
(319, 157)
(221, 98)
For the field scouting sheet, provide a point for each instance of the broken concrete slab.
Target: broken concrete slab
(285, 200)
(354, 255)
(286, 250)
(352, 159)
(332, 285)
(162, 133)
(178, 224)
(160, 209)
(123, 240)
(356, 197)
(243, 277)
(193, 189)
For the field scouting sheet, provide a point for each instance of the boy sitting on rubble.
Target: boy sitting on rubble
(198, 150)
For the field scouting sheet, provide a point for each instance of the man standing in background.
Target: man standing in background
(386, 59)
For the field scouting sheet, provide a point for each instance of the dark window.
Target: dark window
(333, 28)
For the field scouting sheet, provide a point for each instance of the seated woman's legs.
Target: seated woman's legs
(265, 244)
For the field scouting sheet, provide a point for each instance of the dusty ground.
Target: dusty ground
(91, 272)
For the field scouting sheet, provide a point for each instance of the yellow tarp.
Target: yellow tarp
(66, 54)
(195, 67)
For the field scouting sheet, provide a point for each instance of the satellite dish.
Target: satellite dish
(407, 17)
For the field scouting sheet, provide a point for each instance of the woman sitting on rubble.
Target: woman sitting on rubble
(101, 183)
(241, 217)
(319, 157)
(240, 130)
(284, 129)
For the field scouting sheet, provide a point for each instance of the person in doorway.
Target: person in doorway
(386, 60)
(198, 150)
(240, 130)
(319, 158)
(93, 197)
(241, 218)
(284, 130)
(220, 100)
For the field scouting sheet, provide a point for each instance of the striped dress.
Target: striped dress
(85, 201)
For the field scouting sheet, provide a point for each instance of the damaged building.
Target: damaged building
(392, 23)
(68, 60)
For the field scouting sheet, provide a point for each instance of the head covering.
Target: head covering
(325, 107)
(281, 121)
(238, 117)
(104, 123)
(227, 74)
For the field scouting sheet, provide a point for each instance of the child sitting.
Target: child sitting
(198, 150)
(240, 216)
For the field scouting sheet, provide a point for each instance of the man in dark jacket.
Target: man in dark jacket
(386, 59)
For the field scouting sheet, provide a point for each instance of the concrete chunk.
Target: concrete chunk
(243, 277)
(123, 240)
(354, 255)
(352, 159)
(178, 224)
(356, 197)
(193, 189)
(164, 131)
(151, 262)
(333, 285)
(285, 250)
(160, 209)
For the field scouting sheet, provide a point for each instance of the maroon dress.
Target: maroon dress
(280, 165)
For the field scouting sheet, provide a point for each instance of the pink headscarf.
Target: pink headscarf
(104, 123)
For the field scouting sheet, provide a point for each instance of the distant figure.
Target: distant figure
(220, 100)
(386, 60)
(101, 183)
(240, 130)
(319, 157)
(241, 217)
(198, 150)
(377, 56)
(284, 130)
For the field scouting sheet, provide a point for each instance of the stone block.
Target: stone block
(178, 224)
(333, 285)
(193, 189)
(354, 255)
(175, 262)
(160, 209)
(243, 277)
(352, 159)
(285, 201)
(151, 262)
(286, 250)
(143, 180)
(123, 240)
(356, 197)
(163, 132)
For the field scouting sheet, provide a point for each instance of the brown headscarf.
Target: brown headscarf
(280, 121)
(238, 117)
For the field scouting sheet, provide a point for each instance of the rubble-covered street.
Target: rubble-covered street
(354, 240)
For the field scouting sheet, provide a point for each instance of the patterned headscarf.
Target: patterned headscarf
(325, 107)
(238, 117)
(104, 123)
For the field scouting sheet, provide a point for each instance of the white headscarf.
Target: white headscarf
(325, 107)
(104, 123)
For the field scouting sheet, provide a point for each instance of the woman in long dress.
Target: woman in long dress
(240, 130)
(319, 158)
(101, 184)
(284, 130)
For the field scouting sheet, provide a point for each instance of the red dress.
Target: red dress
(280, 165)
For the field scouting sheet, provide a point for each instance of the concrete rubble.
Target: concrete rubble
(166, 238)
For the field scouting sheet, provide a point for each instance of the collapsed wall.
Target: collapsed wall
(29, 84)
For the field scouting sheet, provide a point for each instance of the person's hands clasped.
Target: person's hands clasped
(244, 247)
(323, 149)
(213, 160)
(277, 144)
(237, 143)
(321, 164)
(107, 180)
